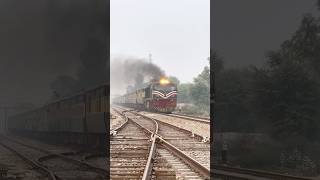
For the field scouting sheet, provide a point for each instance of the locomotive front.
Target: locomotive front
(164, 95)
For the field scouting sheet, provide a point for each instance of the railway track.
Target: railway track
(186, 142)
(128, 149)
(189, 117)
(198, 117)
(199, 128)
(53, 165)
(184, 116)
(178, 139)
(164, 160)
(190, 143)
(226, 172)
(91, 156)
(131, 146)
(37, 167)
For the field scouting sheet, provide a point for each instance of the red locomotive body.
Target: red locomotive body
(158, 95)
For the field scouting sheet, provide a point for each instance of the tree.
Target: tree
(184, 93)
(218, 64)
(200, 90)
(174, 80)
(288, 88)
(288, 98)
(233, 101)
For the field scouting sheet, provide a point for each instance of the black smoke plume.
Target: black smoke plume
(130, 73)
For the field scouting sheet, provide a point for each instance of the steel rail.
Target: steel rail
(179, 115)
(91, 156)
(184, 157)
(43, 170)
(199, 137)
(65, 158)
(147, 173)
(223, 171)
(121, 126)
(149, 166)
(191, 118)
(259, 173)
(148, 144)
(225, 175)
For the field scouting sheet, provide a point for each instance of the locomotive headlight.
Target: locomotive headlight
(164, 81)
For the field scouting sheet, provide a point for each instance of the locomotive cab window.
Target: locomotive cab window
(166, 88)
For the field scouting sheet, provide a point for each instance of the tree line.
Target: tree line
(195, 95)
(282, 97)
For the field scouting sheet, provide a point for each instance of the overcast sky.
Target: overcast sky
(175, 32)
(243, 30)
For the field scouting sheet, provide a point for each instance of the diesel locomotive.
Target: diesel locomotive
(158, 95)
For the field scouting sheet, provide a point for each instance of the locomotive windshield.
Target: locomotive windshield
(165, 88)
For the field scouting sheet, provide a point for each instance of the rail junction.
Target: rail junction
(53, 164)
(171, 152)
(167, 154)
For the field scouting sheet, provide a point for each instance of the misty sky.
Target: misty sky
(176, 32)
(243, 30)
